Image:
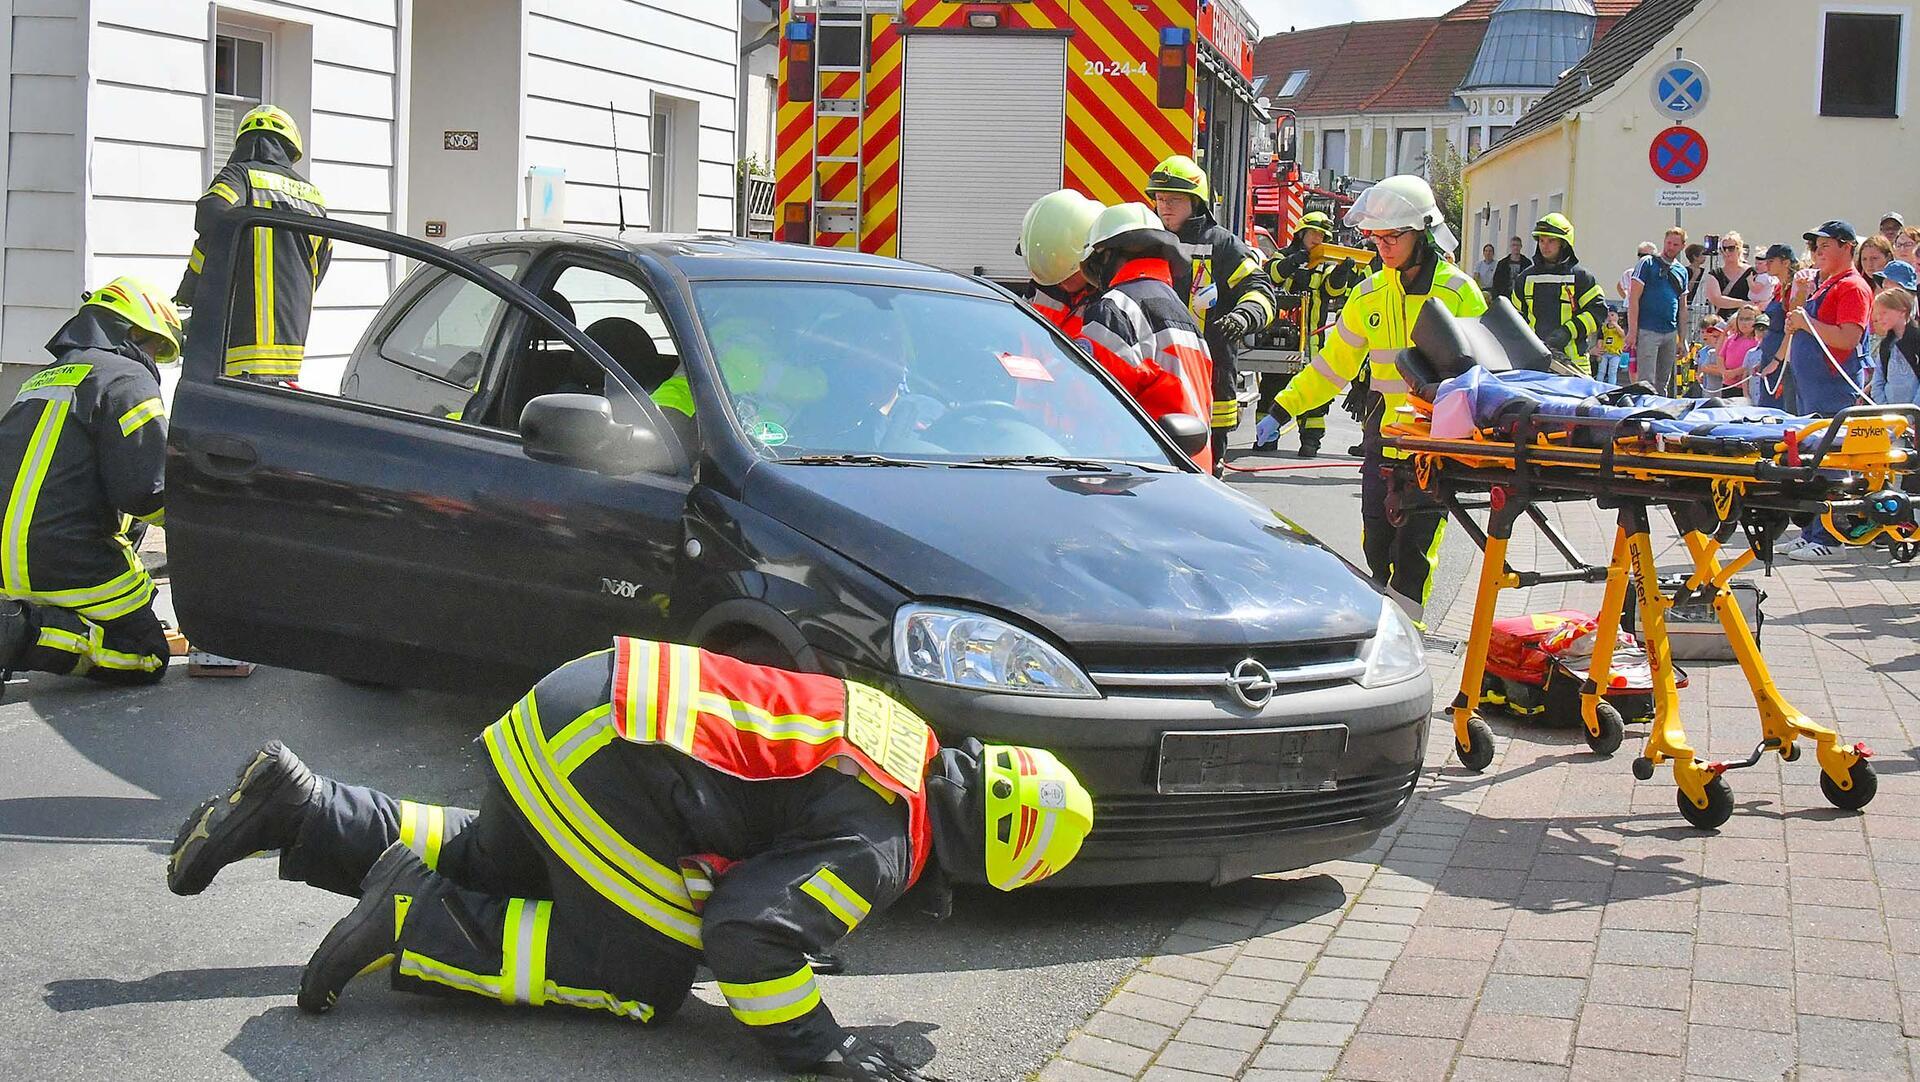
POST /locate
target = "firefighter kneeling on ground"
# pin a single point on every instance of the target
(84, 446)
(1563, 303)
(651, 807)
(1219, 274)
(1321, 287)
(1401, 218)
(1139, 328)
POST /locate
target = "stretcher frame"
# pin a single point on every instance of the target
(1711, 486)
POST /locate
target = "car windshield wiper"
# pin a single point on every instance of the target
(848, 460)
(1059, 461)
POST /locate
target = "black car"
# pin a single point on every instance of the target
(809, 458)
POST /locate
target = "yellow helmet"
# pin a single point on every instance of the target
(1181, 174)
(1038, 813)
(1053, 233)
(1554, 225)
(146, 308)
(276, 120)
(1117, 221)
(1314, 219)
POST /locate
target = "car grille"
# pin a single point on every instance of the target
(1205, 670)
(1168, 820)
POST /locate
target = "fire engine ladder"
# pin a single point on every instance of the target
(841, 211)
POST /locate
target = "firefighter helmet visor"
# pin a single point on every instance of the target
(1556, 226)
(272, 118)
(1183, 175)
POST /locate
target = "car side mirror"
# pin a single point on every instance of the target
(579, 430)
(1189, 433)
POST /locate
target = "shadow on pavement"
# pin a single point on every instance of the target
(174, 986)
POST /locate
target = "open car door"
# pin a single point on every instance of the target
(396, 539)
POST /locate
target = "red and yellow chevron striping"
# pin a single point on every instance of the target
(880, 147)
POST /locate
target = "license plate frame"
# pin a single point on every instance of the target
(1290, 759)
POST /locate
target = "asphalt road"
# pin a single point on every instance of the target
(110, 976)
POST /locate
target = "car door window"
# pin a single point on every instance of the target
(430, 359)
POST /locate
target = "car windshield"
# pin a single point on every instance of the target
(816, 370)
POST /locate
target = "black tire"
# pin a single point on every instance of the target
(1792, 754)
(1718, 810)
(1905, 551)
(1613, 729)
(1477, 753)
(1865, 784)
(1643, 768)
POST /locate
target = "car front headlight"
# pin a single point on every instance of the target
(969, 650)
(1395, 652)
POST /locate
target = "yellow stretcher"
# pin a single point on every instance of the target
(1846, 470)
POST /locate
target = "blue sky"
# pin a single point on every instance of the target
(1277, 15)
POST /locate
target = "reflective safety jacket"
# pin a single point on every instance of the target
(1141, 333)
(278, 270)
(1062, 309)
(84, 443)
(1561, 297)
(1374, 326)
(1222, 273)
(748, 813)
(1321, 286)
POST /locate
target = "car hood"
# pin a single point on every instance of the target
(1133, 559)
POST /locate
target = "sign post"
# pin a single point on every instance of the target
(1680, 91)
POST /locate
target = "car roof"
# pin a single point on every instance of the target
(702, 257)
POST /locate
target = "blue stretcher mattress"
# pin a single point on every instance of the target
(1498, 401)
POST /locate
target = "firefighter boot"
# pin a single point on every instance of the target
(365, 940)
(16, 633)
(1309, 443)
(263, 811)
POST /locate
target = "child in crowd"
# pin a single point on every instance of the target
(1895, 348)
(1748, 325)
(1610, 349)
(1706, 357)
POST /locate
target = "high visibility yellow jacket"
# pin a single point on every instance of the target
(278, 269)
(1374, 326)
(84, 443)
(1221, 273)
(1561, 300)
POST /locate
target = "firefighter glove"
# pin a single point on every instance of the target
(1287, 266)
(1235, 325)
(1346, 274)
(868, 1061)
(1559, 339)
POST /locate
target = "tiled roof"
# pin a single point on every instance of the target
(1613, 56)
(1394, 65)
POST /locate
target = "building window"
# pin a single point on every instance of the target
(673, 192)
(1334, 153)
(1556, 203)
(242, 72)
(1476, 142)
(1306, 151)
(1860, 65)
(1513, 220)
(1497, 133)
(1293, 84)
(1412, 150)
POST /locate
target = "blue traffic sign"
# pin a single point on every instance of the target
(1680, 88)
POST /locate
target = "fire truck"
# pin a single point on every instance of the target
(923, 129)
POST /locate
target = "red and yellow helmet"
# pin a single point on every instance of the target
(143, 306)
(1038, 814)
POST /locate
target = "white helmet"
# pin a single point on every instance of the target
(1118, 220)
(1053, 232)
(1401, 202)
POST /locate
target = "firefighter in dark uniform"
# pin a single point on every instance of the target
(1321, 288)
(1560, 300)
(651, 807)
(1220, 275)
(278, 270)
(83, 451)
(1138, 326)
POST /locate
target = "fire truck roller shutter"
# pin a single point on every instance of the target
(983, 120)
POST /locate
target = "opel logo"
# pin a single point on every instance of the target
(1252, 684)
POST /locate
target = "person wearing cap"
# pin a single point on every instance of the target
(278, 268)
(1653, 312)
(1767, 362)
(1220, 274)
(1902, 274)
(1322, 287)
(1891, 223)
(85, 443)
(1558, 298)
(1402, 220)
(1823, 349)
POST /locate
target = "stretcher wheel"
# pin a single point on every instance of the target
(1865, 785)
(1613, 729)
(1905, 551)
(1719, 806)
(1792, 754)
(1477, 753)
(1643, 768)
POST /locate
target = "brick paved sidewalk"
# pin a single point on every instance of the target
(1556, 919)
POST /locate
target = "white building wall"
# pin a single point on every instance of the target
(148, 105)
(584, 55)
(45, 176)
